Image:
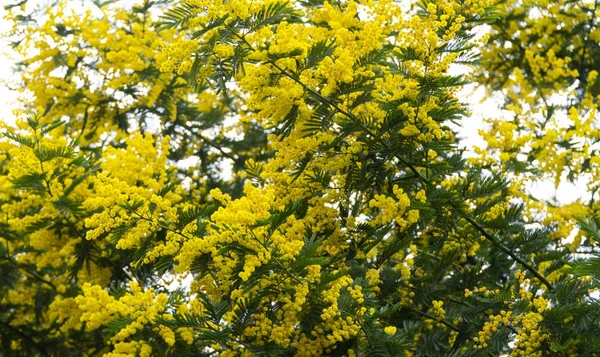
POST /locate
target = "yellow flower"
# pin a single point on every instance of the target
(390, 330)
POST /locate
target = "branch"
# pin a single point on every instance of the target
(455, 205)
(493, 239)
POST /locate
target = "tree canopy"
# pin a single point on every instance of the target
(284, 178)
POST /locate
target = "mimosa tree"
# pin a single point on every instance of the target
(273, 178)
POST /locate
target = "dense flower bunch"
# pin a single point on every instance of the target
(350, 224)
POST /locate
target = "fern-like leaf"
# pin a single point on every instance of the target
(177, 16)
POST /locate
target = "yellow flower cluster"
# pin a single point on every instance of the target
(95, 308)
(437, 309)
(529, 337)
(234, 222)
(491, 326)
(105, 54)
(462, 244)
(133, 178)
(394, 208)
(527, 325)
(390, 330)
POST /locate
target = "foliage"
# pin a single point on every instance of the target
(349, 224)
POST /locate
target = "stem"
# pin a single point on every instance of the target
(493, 239)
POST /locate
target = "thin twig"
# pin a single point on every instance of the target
(462, 213)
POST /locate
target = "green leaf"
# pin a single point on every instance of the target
(253, 170)
(48, 128)
(45, 154)
(133, 205)
(589, 227)
(163, 264)
(34, 182)
(211, 25)
(167, 188)
(277, 56)
(114, 326)
(67, 206)
(301, 166)
(8, 7)
(318, 52)
(21, 139)
(589, 267)
(117, 233)
(187, 216)
(177, 16)
(272, 13)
